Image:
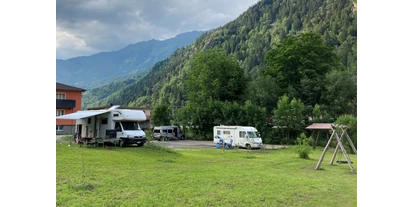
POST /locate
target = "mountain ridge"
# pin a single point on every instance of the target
(102, 68)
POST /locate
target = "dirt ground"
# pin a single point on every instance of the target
(186, 144)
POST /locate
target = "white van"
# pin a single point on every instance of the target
(241, 136)
(167, 133)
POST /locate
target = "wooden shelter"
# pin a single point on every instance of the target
(336, 129)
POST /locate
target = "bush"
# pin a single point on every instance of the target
(303, 148)
(351, 122)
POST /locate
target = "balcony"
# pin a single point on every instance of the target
(63, 103)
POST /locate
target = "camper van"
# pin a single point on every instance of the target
(113, 126)
(240, 136)
(167, 133)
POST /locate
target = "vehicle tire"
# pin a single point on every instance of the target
(122, 143)
(141, 144)
(165, 139)
(182, 137)
(248, 146)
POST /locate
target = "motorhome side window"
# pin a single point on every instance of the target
(242, 134)
(104, 121)
(118, 127)
(218, 132)
(226, 132)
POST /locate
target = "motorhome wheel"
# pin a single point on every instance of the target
(121, 143)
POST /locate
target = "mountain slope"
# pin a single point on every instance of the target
(99, 69)
(248, 38)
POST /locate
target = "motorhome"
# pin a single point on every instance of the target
(167, 133)
(240, 136)
(113, 126)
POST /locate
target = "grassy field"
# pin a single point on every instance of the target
(156, 176)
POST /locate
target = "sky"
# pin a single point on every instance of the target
(86, 27)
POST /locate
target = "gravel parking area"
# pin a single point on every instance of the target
(187, 144)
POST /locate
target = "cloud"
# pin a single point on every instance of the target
(86, 27)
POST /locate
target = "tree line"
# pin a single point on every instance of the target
(303, 82)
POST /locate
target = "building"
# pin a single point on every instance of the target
(68, 100)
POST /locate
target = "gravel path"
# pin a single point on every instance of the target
(186, 144)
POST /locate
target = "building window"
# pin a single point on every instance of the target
(60, 112)
(60, 96)
(59, 128)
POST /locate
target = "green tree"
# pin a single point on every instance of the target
(264, 92)
(161, 115)
(341, 93)
(351, 122)
(289, 116)
(300, 64)
(215, 75)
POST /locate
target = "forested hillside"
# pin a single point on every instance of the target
(105, 67)
(281, 63)
(249, 38)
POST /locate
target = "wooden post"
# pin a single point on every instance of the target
(324, 150)
(352, 144)
(345, 154)
(336, 149)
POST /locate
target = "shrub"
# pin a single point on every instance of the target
(303, 148)
(351, 122)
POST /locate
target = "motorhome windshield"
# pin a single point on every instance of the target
(253, 134)
(130, 125)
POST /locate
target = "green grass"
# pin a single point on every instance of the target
(156, 176)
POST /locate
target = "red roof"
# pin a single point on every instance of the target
(320, 126)
(60, 86)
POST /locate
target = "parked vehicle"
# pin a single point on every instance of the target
(241, 136)
(113, 126)
(167, 133)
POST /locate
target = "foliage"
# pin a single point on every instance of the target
(303, 147)
(263, 91)
(160, 115)
(300, 64)
(289, 115)
(94, 97)
(248, 38)
(215, 75)
(305, 50)
(341, 93)
(351, 122)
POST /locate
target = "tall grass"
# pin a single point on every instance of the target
(157, 176)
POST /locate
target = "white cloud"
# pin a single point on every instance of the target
(85, 27)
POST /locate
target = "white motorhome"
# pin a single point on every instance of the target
(241, 136)
(113, 125)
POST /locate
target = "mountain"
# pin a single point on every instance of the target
(101, 68)
(248, 38)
